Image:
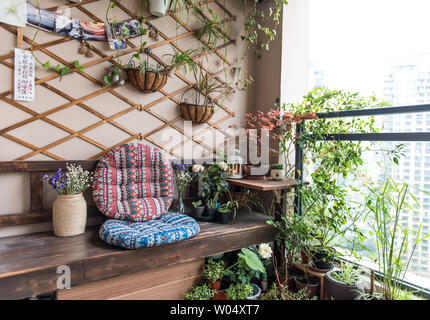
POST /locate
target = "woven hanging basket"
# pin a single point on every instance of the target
(196, 113)
(147, 81)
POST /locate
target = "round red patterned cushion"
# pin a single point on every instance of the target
(133, 182)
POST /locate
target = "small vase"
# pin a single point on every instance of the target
(69, 215)
(181, 205)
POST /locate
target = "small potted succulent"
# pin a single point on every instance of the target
(202, 292)
(69, 211)
(213, 272)
(197, 209)
(226, 210)
(343, 284)
(277, 172)
(211, 207)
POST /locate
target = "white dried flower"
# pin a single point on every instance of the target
(198, 168)
(223, 165)
(265, 251)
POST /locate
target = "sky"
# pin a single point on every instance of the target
(355, 40)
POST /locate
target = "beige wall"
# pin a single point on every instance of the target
(14, 188)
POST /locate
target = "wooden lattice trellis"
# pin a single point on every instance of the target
(101, 57)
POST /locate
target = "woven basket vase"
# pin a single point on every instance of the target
(69, 215)
(196, 113)
(147, 81)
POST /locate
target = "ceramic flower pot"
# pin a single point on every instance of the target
(277, 174)
(197, 211)
(158, 7)
(338, 290)
(69, 215)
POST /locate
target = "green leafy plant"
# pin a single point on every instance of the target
(239, 291)
(202, 292)
(214, 181)
(256, 23)
(197, 204)
(347, 273)
(283, 293)
(211, 203)
(395, 243)
(278, 166)
(214, 270)
(183, 60)
(247, 266)
(229, 206)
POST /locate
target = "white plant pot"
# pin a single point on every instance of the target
(69, 215)
(158, 7)
(277, 174)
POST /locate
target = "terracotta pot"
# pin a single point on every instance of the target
(220, 295)
(69, 215)
(196, 113)
(311, 286)
(147, 81)
(215, 285)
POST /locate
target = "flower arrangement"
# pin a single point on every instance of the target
(183, 179)
(74, 180)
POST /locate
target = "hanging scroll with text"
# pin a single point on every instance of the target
(24, 76)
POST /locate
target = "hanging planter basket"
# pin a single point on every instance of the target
(147, 81)
(195, 112)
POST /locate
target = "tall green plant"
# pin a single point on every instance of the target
(395, 243)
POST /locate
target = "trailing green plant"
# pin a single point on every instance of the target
(257, 23)
(207, 85)
(183, 60)
(386, 206)
(283, 293)
(202, 292)
(239, 291)
(214, 270)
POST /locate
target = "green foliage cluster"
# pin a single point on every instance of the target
(283, 293)
(239, 291)
(214, 182)
(214, 270)
(202, 292)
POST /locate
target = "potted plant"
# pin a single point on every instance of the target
(343, 284)
(145, 77)
(308, 282)
(198, 208)
(202, 292)
(284, 293)
(239, 291)
(213, 272)
(211, 207)
(69, 211)
(227, 210)
(277, 172)
(201, 109)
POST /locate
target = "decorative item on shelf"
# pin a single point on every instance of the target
(69, 212)
(158, 7)
(235, 165)
(144, 77)
(277, 172)
(183, 179)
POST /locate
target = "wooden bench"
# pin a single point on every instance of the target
(28, 263)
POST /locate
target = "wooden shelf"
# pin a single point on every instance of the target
(28, 264)
(264, 185)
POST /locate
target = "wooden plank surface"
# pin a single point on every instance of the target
(264, 185)
(28, 264)
(165, 283)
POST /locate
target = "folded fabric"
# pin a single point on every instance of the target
(170, 228)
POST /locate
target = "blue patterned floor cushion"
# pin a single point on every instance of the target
(171, 227)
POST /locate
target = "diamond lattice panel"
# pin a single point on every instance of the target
(76, 117)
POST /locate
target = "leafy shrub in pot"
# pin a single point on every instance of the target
(213, 272)
(197, 209)
(310, 283)
(343, 284)
(202, 292)
(239, 291)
